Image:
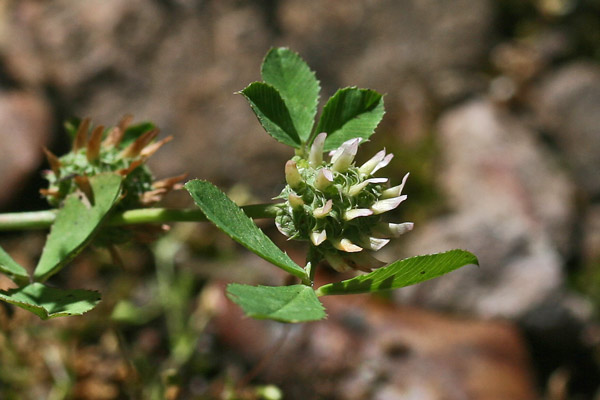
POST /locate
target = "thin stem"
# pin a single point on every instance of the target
(27, 220)
(313, 258)
(43, 219)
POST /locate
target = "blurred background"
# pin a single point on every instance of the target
(493, 106)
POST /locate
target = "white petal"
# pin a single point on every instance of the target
(370, 165)
(386, 205)
(292, 175)
(324, 179)
(315, 157)
(336, 152)
(357, 212)
(346, 245)
(383, 163)
(344, 155)
(396, 190)
(322, 212)
(356, 189)
(318, 237)
(373, 243)
(393, 230)
(295, 200)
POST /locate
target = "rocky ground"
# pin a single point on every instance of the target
(493, 106)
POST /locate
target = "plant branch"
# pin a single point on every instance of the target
(44, 219)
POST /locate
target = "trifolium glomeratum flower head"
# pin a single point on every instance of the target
(122, 149)
(338, 206)
(96, 150)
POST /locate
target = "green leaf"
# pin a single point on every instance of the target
(47, 302)
(76, 222)
(296, 303)
(290, 75)
(272, 112)
(350, 113)
(402, 273)
(228, 217)
(12, 269)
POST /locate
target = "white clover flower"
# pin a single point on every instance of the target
(292, 175)
(317, 237)
(323, 211)
(349, 215)
(344, 155)
(395, 191)
(337, 207)
(295, 201)
(324, 179)
(386, 205)
(346, 245)
(315, 157)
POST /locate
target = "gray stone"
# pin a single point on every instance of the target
(511, 205)
(567, 103)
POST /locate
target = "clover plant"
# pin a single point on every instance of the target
(103, 191)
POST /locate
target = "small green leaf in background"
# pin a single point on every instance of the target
(228, 217)
(71, 126)
(12, 269)
(350, 113)
(75, 224)
(297, 303)
(290, 75)
(47, 302)
(402, 273)
(272, 113)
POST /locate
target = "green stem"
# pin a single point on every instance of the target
(43, 219)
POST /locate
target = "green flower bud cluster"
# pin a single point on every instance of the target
(99, 150)
(337, 206)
